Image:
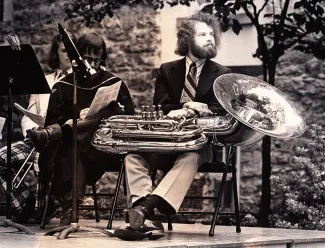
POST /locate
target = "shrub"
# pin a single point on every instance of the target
(304, 189)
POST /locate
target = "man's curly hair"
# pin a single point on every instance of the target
(185, 34)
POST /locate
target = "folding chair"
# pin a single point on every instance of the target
(95, 195)
(216, 167)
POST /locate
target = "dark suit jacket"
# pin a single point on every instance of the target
(170, 83)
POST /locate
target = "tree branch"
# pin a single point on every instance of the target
(251, 2)
(278, 30)
(262, 8)
(261, 39)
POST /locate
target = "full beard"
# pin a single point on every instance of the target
(207, 52)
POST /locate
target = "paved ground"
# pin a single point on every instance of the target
(183, 235)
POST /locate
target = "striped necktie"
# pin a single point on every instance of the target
(191, 82)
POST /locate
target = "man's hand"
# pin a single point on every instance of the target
(177, 114)
(200, 108)
(83, 114)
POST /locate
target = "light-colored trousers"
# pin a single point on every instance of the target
(176, 182)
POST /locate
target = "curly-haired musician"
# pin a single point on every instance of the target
(22, 199)
(183, 88)
(58, 133)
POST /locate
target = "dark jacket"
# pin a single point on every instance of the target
(61, 100)
(170, 83)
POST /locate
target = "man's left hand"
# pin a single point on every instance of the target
(177, 114)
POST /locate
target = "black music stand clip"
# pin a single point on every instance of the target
(21, 74)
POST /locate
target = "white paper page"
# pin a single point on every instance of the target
(38, 119)
(2, 123)
(103, 97)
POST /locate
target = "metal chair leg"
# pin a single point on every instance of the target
(95, 202)
(221, 189)
(153, 177)
(47, 199)
(234, 185)
(170, 225)
(117, 188)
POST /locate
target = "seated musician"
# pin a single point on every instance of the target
(22, 199)
(183, 88)
(58, 133)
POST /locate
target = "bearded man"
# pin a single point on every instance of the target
(183, 88)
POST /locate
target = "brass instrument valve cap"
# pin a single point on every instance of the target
(154, 115)
(160, 113)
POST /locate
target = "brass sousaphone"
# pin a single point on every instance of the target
(255, 109)
(260, 108)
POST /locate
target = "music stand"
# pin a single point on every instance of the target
(19, 66)
(81, 68)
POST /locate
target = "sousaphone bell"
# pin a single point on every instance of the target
(260, 108)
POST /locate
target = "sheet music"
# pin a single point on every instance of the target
(103, 97)
(2, 123)
(38, 119)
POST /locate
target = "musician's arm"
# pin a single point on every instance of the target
(124, 99)
(27, 123)
(58, 111)
(162, 96)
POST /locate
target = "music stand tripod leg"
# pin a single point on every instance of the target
(7, 222)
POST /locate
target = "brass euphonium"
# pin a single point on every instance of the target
(255, 109)
(148, 132)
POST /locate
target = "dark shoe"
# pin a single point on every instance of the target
(135, 216)
(42, 136)
(155, 227)
(151, 230)
(128, 234)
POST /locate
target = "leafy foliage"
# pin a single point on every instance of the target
(304, 189)
(92, 11)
